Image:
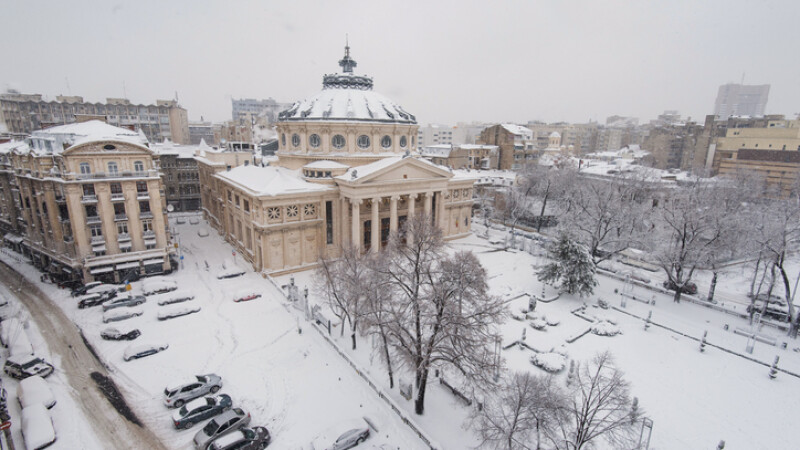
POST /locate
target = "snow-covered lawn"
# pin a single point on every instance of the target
(297, 385)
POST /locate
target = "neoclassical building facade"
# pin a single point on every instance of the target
(346, 174)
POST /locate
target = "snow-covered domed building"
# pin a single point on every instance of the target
(347, 173)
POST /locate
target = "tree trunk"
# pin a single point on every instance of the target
(755, 276)
(419, 403)
(541, 213)
(388, 359)
(712, 287)
(677, 297)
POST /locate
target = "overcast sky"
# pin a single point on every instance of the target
(444, 61)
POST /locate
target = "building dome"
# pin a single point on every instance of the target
(347, 97)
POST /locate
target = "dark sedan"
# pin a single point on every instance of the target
(113, 334)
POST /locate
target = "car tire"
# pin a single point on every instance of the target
(214, 389)
(188, 425)
(359, 440)
(179, 403)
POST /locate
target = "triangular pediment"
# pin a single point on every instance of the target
(397, 169)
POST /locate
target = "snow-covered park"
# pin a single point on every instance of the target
(291, 378)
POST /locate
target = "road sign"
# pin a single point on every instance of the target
(234, 253)
(5, 425)
(181, 257)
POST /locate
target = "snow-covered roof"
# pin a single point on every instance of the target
(325, 164)
(348, 104)
(270, 180)
(169, 148)
(476, 147)
(74, 134)
(518, 130)
(14, 146)
(442, 150)
(555, 134)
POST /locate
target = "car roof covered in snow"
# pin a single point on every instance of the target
(179, 383)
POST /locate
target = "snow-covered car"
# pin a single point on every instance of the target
(115, 315)
(358, 431)
(9, 329)
(81, 290)
(140, 351)
(151, 287)
(225, 423)
(169, 298)
(194, 221)
(230, 270)
(176, 394)
(255, 438)
(245, 295)
(24, 366)
(200, 409)
(177, 312)
(113, 334)
(125, 300)
(34, 390)
(103, 289)
(37, 427)
(688, 288)
(89, 300)
(202, 232)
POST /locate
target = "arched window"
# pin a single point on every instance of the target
(338, 141)
(283, 139)
(85, 169)
(138, 166)
(314, 140)
(403, 142)
(295, 140)
(112, 168)
(363, 141)
(386, 142)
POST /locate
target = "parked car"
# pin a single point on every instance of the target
(81, 290)
(688, 288)
(245, 295)
(230, 272)
(159, 286)
(37, 427)
(221, 425)
(351, 438)
(255, 438)
(115, 315)
(10, 328)
(200, 409)
(89, 300)
(103, 289)
(24, 366)
(177, 312)
(125, 300)
(169, 298)
(34, 390)
(178, 393)
(113, 334)
(140, 351)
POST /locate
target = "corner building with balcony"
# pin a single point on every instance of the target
(347, 174)
(88, 199)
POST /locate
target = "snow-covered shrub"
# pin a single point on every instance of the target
(549, 362)
(605, 329)
(551, 321)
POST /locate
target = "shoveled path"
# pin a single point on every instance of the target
(77, 363)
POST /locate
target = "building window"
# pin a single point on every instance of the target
(314, 140)
(88, 190)
(141, 186)
(85, 169)
(113, 169)
(338, 141)
(296, 140)
(329, 222)
(122, 228)
(246, 205)
(283, 140)
(147, 225)
(109, 147)
(291, 211)
(367, 233)
(138, 166)
(144, 206)
(309, 210)
(386, 142)
(116, 188)
(363, 141)
(274, 213)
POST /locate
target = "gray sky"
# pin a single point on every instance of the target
(444, 61)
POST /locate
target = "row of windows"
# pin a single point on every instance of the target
(113, 167)
(338, 141)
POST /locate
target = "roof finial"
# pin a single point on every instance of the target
(347, 63)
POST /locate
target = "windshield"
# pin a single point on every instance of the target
(210, 428)
(31, 363)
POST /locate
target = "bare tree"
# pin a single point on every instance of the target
(375, 316)
(343, 282)
(544, 184)
(439, 313)
(520, 413)
(599, 407)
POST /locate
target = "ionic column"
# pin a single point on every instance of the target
(428, 201)
(393, 214)
(412, 205)
(344, 236)
(376, 229)
(356, 228)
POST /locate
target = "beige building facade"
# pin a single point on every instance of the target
(90, 203)
(346, 174)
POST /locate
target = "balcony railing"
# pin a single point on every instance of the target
(149, 234)
(93, 219)
(143, 195)
(97, 240)
(117, 196)
(89, 199)
(122, 237)
(119, 217)
(146, 215)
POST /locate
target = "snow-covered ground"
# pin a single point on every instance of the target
(297, 385)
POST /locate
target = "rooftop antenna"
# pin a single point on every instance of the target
(347, 63)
